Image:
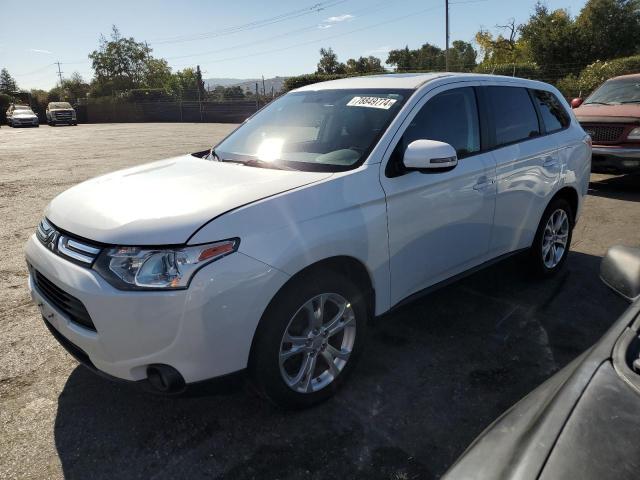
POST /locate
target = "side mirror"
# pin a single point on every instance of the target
(620, 271)
(429, 155)
(576, 102)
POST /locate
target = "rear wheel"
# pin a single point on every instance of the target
(553, 238)
(309, 340)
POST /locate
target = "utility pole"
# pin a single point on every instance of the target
(59, 72)
(446, 51)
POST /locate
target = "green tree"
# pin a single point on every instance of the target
(73, 88)
(462, 57)
(402, 59)
(552, 39)
(199, 81)
(608, 29)
(364, 65)
(502, 49)
(183, 84)
(122, 63)
(329, 63)
(8, 84)
(427, 57)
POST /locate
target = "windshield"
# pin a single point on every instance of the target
(59, 105)
(21, 107)
(328, 130)
(615, 92)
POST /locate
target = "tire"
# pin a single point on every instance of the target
(548, 254)
(287, 314)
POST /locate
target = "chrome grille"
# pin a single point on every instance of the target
(604, 133)
(65, 245)
(64, 115)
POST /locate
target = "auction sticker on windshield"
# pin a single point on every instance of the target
(372, 102)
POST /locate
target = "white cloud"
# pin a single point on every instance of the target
(340, 18)
(331, 21)
(38, 50)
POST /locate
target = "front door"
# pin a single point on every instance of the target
(439, 223)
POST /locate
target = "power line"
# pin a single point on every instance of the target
(316, 7)
(365, 11)
(320, 40)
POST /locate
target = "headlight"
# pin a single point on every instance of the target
(634, 134)
(143, 268)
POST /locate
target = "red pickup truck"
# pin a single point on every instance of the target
(611, 116)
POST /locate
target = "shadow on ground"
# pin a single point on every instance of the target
(623, 187)
(436, 373)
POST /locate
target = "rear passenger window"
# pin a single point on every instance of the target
(554, 116)
(514, 115)
(450, 117)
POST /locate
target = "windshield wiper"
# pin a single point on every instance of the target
(255, 162)
(631, 101)
(596, 103)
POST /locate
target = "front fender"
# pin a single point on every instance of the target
(344, 215)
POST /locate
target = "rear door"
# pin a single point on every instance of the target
(527, 166)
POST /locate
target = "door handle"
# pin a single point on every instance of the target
(484, 183)
(550, 162)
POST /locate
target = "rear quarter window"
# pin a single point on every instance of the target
(554, 116)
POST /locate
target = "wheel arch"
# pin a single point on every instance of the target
(345, 265)
(570, 194)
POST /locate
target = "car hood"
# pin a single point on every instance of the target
(24, 114)
(626, 111)
(165, 202)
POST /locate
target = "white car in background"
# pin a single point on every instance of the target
(21, 116)
(61, 112)
(335, 203)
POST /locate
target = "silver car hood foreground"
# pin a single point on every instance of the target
(165, 202)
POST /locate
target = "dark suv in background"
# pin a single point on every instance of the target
(61, 112)
(611, 116)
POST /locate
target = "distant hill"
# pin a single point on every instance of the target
(247, 84)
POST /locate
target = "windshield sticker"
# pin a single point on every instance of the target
(372, 102)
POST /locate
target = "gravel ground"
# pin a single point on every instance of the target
(436, 373)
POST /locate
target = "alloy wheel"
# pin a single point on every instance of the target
(317, 343)
(554, 240)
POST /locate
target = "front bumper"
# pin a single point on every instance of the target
(203, 332)
(24, 121)
(619, 159)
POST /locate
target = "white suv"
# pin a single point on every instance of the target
(333, 204)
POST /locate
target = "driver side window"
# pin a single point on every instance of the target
(450, 117)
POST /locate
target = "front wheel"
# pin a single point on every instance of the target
(309, 339)
(553, 238)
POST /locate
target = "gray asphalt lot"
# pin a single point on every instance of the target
(436, 372)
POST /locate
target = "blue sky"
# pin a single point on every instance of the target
(275, 38)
